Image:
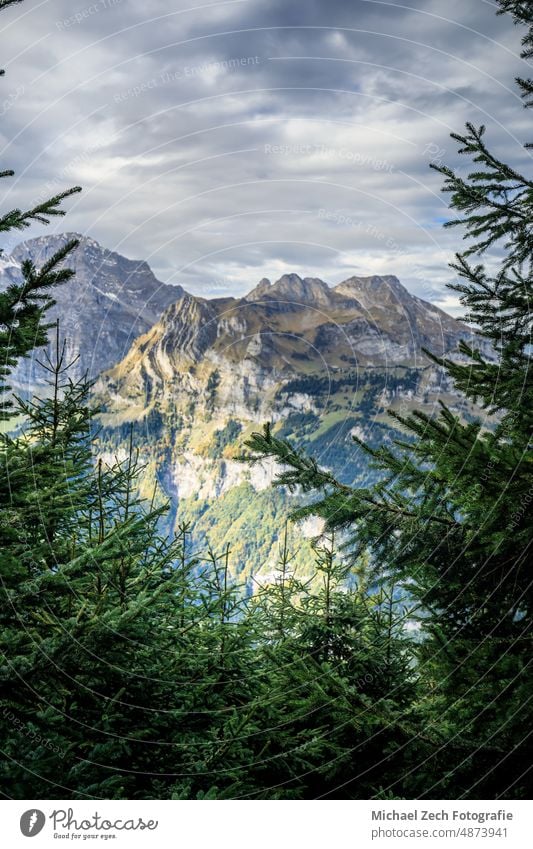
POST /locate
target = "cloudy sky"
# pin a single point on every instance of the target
(229, 141)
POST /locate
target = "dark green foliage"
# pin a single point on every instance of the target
(132, 667)
(19, 220)
(494, 200)
(224, 437)
(521, 13)
(317, 718)
(5, 3)
(122, 662)
(407, 378)
(450, 518)
(295, 423)
(143, 672)
(22, 306)
(212, 385)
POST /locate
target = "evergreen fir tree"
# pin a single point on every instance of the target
(335, 695)
(132, 666)
(23, 306)
(449, 518)
(124, 654)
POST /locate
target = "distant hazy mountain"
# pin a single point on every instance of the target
(109, 302)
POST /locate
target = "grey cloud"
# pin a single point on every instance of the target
(170, 119)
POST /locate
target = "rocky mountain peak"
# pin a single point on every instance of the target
(291, 288)
(109, 302)
(262, 289)
(105, 270)
(41, 248)
(374, 290)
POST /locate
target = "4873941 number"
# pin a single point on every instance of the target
(481, 831)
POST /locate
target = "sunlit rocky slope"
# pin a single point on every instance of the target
(194, 376)
(320, 363)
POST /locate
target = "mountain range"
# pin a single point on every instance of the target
(193, 376)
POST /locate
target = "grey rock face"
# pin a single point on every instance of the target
(109, 303)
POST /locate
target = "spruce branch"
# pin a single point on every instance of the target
(22, 307)
(496, 201)
(522, 14)
(41, 213)
(304, 472)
